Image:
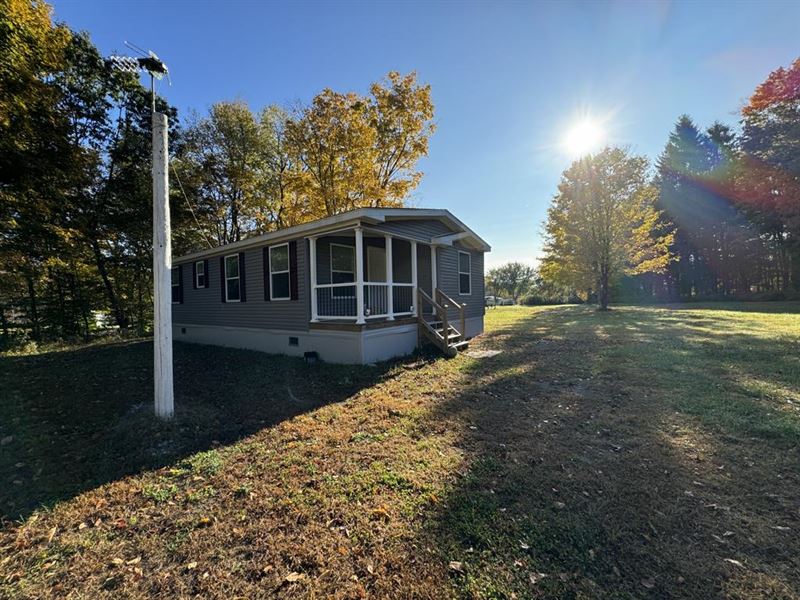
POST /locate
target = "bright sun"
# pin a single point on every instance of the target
(584, 137)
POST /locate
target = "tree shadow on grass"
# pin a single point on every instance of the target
(74, 420)
(624, 455)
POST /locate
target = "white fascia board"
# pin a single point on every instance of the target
(468, 237)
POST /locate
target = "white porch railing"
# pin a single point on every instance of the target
(361, 300)
(338, 300)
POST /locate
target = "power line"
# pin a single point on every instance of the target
(191, 210)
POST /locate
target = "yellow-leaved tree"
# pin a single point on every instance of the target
(253, 173)
(603, 223)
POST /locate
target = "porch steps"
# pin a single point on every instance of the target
(435, 330)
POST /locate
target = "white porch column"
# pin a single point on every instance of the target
(434, 282)
(360, 276)
(312, 249)
(389, 279)
(414, 275)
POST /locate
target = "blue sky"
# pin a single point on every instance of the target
(508, 78)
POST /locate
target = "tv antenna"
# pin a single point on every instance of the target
(147, 61)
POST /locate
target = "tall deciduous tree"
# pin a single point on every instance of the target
(223, 160)
(603, 223)
(354, 151)
(769, 184)
(335, 145)
(402, 112)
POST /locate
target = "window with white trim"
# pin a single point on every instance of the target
(200, 274)
(343, 269)
(232, 289)
(279, 288)
(176, 285)
(464, 273)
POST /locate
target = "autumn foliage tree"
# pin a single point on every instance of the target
(768, 178)
(603, 223)
(251, 173)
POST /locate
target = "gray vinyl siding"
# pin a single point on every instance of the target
(205, 307)
(447, 267)
(422, 229)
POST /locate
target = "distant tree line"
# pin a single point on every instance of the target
(75, 186)
(720, 218)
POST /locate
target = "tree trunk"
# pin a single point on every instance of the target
(119, 314)
(36, 333)
(4, 323)
(602, 292)
(83, 308)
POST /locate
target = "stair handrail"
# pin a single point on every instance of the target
(458, 306)
(441, 312)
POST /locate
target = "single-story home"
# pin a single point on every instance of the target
(357, 287)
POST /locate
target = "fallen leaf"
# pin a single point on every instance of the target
(381, 512)
(456, 566)
(733, 562)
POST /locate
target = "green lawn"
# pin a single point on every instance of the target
(648, 452)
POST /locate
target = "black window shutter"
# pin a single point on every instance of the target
(267, 278)
(293, 270)
(194, 275)
(206, 275)
(242, 282)
(222, 276)
(180, 284)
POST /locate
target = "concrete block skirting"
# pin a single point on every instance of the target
(347, 347)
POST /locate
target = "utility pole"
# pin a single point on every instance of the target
(162, 245)
(162, 272)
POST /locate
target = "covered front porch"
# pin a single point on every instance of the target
(362, 276)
